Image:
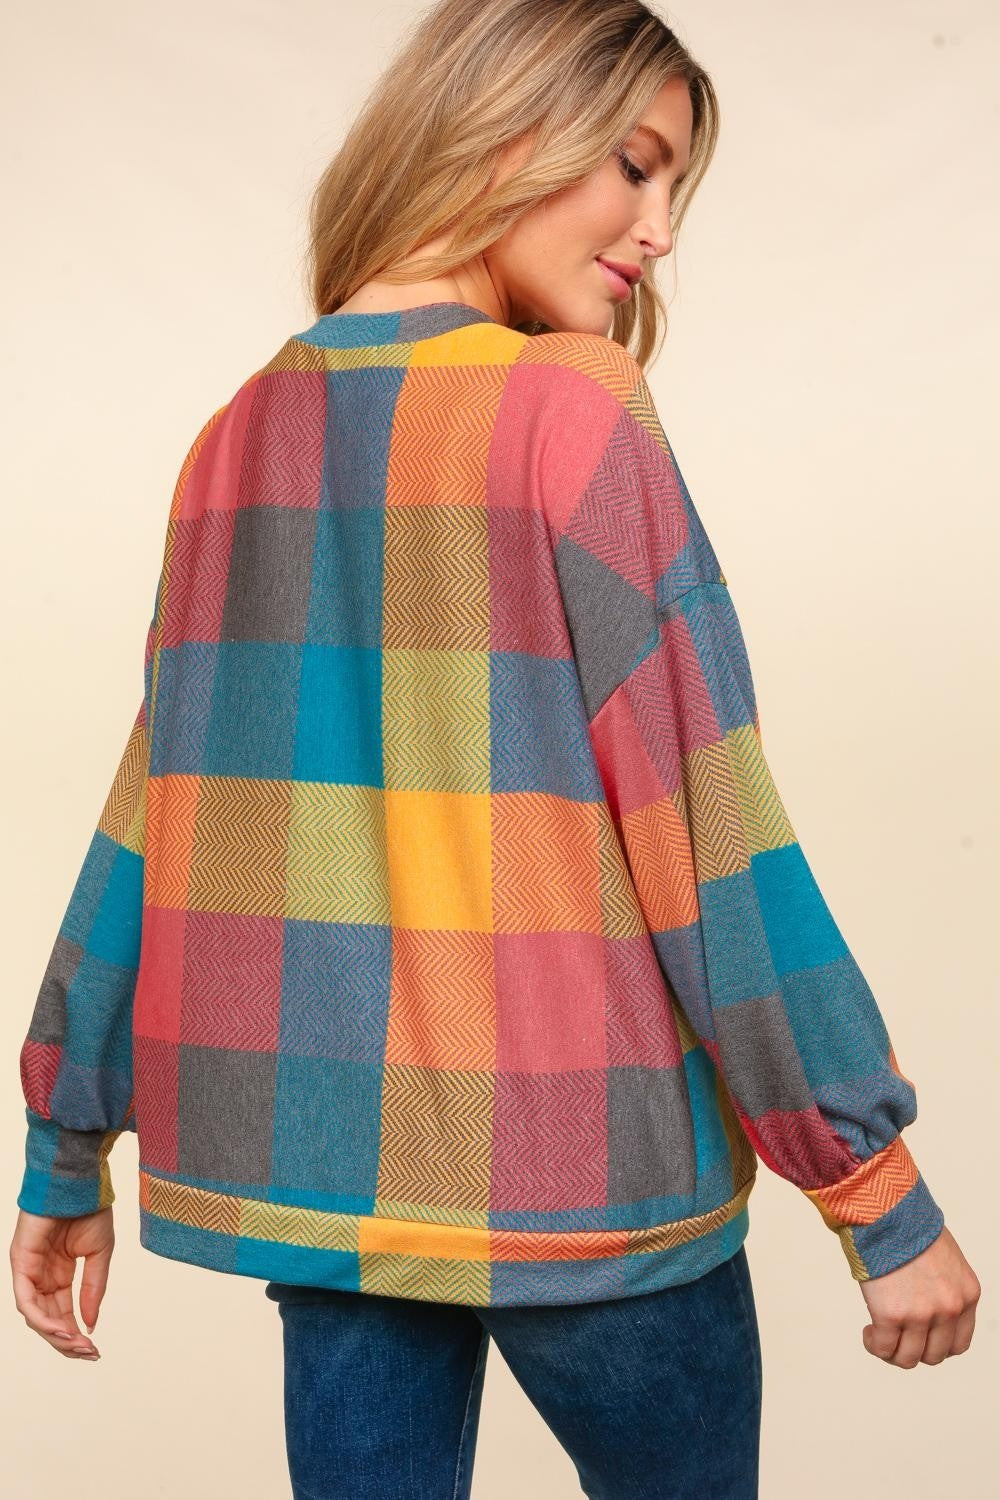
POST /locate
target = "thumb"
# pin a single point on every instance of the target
(881, 1338)
(93, 1285)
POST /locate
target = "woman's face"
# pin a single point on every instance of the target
(548, 266)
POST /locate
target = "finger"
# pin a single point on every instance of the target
(28, 1301)
(62, 1307)
(965, 1325)
(910, 1349)
(57, 1329)
(93, 1285)
(940, 1341)
(882, 1338)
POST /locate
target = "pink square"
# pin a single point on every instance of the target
(156, 1006)
(641, 1027)
(627, 773)
(282, 458)
(232, 981)
(550, 1141)
(213, 483)
(156, 1067)
(198, 577)
(526, 611)
(549, 1001)
(552, 427)
(676, 661)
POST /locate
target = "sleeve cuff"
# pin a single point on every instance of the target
(66, 1172)
(883, 1214)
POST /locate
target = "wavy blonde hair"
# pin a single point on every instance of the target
(473, 77)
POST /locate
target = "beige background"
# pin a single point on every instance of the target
(830, 389)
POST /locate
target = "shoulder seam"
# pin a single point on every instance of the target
(662, 612)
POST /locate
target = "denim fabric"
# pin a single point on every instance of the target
(652, 1395)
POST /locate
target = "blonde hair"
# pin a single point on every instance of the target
(474, 77)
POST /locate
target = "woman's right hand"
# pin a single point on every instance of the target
(43, 1256)
(925, 1310)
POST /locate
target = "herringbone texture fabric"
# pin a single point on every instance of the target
(444, 934)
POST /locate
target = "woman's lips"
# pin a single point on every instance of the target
(621, 287)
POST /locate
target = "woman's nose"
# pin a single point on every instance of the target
(656, 235)
(657, 238)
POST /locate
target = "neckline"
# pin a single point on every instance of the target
(395, 312)
(402, 325)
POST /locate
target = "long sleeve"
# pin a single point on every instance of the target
(76, 1060)
(741, 930)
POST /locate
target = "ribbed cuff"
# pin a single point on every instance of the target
(883, 1212)
(66, 1172)
(898, 1236)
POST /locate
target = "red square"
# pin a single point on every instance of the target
(549, 1001)
(550, 1141)
(156, 1006)
(156, 1066)
(210, 477)
(281, 458)
(627, 773)
(232, 981)
(641, 1027)
(198, 577)
(552, 428)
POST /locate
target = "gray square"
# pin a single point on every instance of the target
(225, 1114)
(270, 572)
(48, 1022)
(651, 1149)
(759, 1057)
(609, 621)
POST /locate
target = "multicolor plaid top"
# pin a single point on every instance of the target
(443, 934)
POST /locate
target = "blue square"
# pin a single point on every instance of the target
(339, 732)
(254, 698)
(327, 1125)
(345, 603)
(360, 408)
(177, 736)
(336, 980)
(115, 934)
(800, 929)
(538, 728)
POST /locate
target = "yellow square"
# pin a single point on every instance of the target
(489, 345)
(436, 720)
(440, 860)
(336, 865)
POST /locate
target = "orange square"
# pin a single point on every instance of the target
(547, 867)
(171, 804)
(442, 1004)
(442, 428)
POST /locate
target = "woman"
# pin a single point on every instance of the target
(444, 936)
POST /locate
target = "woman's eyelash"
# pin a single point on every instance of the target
(631, 171)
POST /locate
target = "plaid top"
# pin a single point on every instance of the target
(443, 934)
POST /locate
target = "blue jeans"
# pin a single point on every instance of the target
(651, 1395)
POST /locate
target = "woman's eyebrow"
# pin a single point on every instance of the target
(666, 150)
